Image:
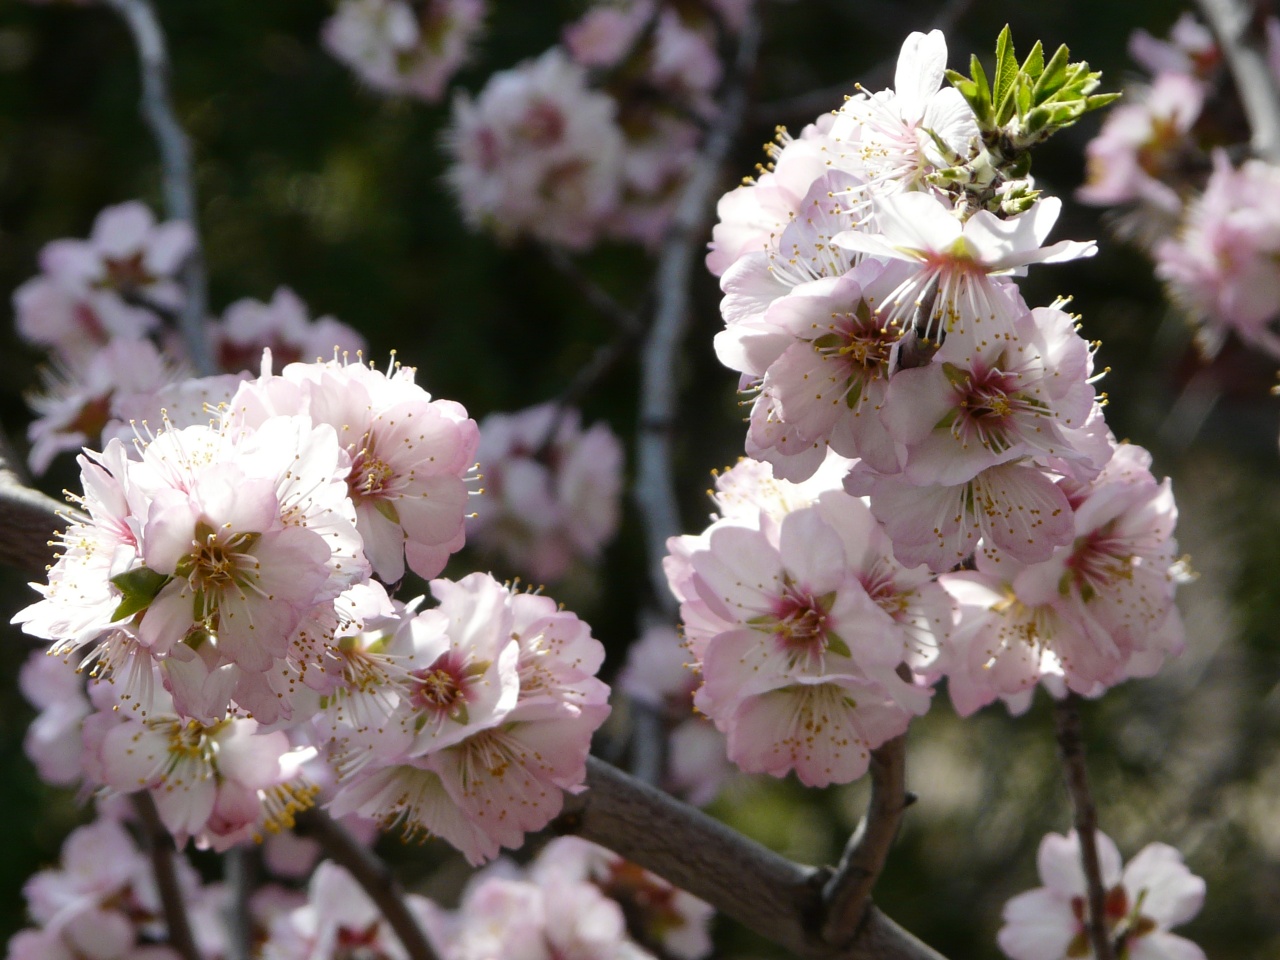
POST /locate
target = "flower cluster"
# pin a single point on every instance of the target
(593, 139)
(219, 577)
(1154, 892)
(917, 417)
(401, 47)
(98, 306)
(1212, 226)
(551, 490)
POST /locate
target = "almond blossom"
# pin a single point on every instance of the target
(1153, 893)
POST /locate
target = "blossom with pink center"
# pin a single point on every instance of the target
(282, 326)
(398, 49)
(822, 357)
(73, 322)
(537, 154)
(499, 709)
(1153, 893)
(890, 134)
(1221, 267)
(251, 531)
(99, 863)
(1016, 506)
(1011, 398)
(551, 490)
(79, 396)
(409, 455)
(223, 783)
(965, 259)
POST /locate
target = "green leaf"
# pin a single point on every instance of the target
(1033, 66)
(1006, 74)
(139, 587)
(1054, 75)
(836, 644)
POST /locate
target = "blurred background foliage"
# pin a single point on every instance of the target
(307, 180)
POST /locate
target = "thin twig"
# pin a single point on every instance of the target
(1066, 718)
(810, 104)
(655, 487)
(762, 890)
(175, 161)
(159, 845)
(1238, 26)
(848, 892)
(374, 876)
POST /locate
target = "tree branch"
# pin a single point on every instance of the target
(1066, 718)
(1238, 26)
(655, 488)
(847, 893)
(28, 518)
(374, 877)
(159, 844)
(765, 892)
(175, 160)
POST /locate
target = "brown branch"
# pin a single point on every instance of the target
(374, 876)
(1238, 26)
(159, 845)
(28, 518)
(655, 487)
(1066, 718)
(847, 893)
(765, 892)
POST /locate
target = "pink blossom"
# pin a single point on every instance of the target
(1221, 268)
(1190, 50)
(551, 490)
(128, 257)
(80, 396)
(408, 455)
(537, 154)
(890, 134)
(966, 260)
(282, 326)
(399, 50)
(1143, 143)
(1153, 893)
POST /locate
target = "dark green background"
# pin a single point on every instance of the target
(304, 179)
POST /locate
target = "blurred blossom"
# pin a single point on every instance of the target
(283, 326)
(398, 47)
(1222, 268)
(91, 291)
(537, 153)
(1153, 893)
(552, 490)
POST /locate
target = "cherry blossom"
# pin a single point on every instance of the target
(282, 326)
